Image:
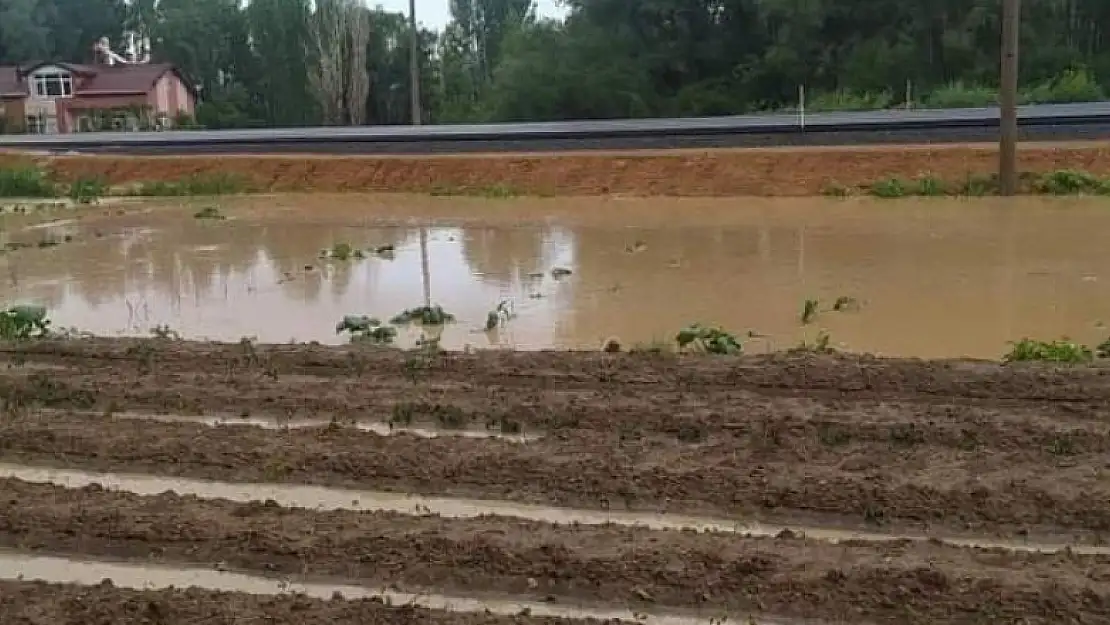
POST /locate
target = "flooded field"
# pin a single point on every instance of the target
(932, 278)
(294, 484)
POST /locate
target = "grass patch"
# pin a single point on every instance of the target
(87, 190)
(494, 191)
(26, 181)
(889, 188)
(342, 251)
(196, 184)
(362, 328)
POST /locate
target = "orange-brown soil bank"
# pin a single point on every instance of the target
(760, 172)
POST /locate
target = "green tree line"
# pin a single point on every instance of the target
(296, 62)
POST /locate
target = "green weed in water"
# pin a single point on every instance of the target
(24, 322)
(342, 251)
(209, 212)
(369, 329)
(1062, 351)
(424, 315)
(709, 340)
(809, 311)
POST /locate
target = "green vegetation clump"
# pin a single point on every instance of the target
(424, 315)
(709, 340)
(24, 322)
(26, 181)
(342, 251)
(364, 328)
(1059, 182)
(1061, 351)
(87, 190)
(196, 184)
(209, 212)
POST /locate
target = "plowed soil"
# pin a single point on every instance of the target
(789, 576)
(760, 172)
(36, 603)
(870, 442)
(961, 448)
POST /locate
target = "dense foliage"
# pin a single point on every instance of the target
(610, 58)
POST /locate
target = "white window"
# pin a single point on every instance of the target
(53, 85)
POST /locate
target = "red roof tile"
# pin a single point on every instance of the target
(105, 79)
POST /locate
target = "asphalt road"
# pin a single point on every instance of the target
(1037, 123)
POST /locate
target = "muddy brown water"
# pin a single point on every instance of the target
(933, 278)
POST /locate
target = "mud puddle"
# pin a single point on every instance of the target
(16, 566)
(272, 423)
(990, 265)
(321, 498)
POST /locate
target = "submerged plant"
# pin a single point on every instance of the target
(809, 310)
(209, 212)
(709, 340)
(342, 251)
(424, 315)
(499, 316)
(24, 322)
(1062, 351)
(363, 328)
(845, 303)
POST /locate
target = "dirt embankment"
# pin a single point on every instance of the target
(911, 582)
(38, 603)
(757, 172)
(879, 442)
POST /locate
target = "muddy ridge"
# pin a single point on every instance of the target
(720, 172)
(898, 482)
(39, 603)
(789, 576)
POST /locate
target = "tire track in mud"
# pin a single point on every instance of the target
(1002, 492)
(544, 563)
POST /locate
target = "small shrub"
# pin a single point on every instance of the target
(889, 188)
(1072, 85)
(342, 251)
(930, 185)
(1062, 351)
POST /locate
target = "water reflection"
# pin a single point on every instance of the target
(935, 278)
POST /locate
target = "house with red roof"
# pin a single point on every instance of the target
(50, 98)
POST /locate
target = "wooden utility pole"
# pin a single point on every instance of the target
(1007, 98)
(414, 64)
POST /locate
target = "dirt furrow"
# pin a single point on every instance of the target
(688, 416)
(39, 603)
(787, 373)
(792, 577)
(870, 483)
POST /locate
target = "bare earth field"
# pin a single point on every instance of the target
(714, 172)
(523, 487)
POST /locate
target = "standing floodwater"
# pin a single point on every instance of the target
(931, 278)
